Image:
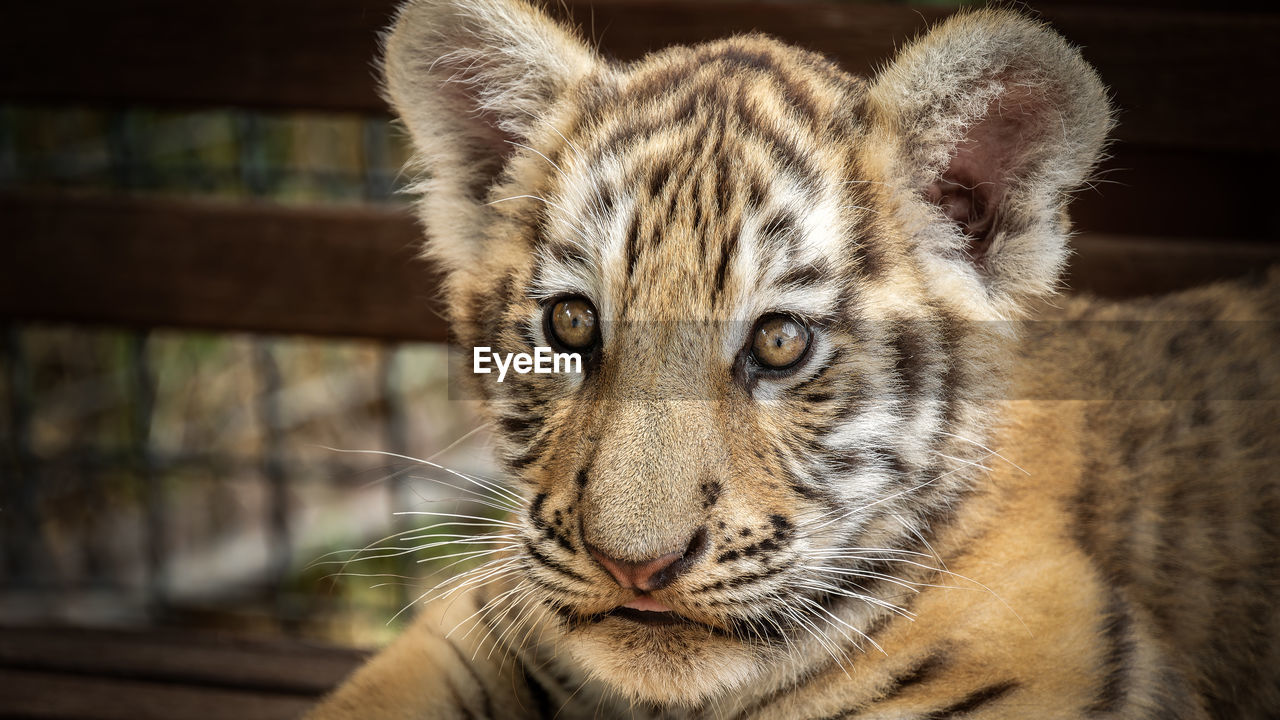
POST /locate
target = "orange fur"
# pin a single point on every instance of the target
(962, 501)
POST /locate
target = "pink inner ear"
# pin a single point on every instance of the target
(973, 187)
(489, 145)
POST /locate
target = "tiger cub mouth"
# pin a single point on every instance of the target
(647, 610)
(650, 617)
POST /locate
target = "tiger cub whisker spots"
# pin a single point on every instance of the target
(819, 463)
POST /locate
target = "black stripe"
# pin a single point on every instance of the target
(633, 244)
(535, 511)
(724, 184)
(804, 276)
(456, 699)
(870, 254)
(564, 543)
(808, 492)
(893, 461)
(583, 476)
(521, 329)
(727, 250)
(660, 82)
(517, 425)
(659, 178)
(556, 587)
(673, 203)
(953, 377)
(882, 621)
(538, 230)
(757, 59)
(1171, 699)
(486, 700)
(755, 191)
(793, 92)
(541, 698)
(1117, 630)
(754, 709)
(972, 701)
(534, 553)
(912, 355)
(922, 670)
(821, 375)
(689, 107)
(605, 199)
(781, 226)
(785, 149)
(565, 253)
(694, 96)
(533, 452)
(1170, 557)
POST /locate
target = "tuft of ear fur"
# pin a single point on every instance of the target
(469, 79)
(992, 118)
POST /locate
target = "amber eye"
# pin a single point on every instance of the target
(572, 323)
(780, 341)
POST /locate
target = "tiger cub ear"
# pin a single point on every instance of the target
(470, 79)
(991, 119)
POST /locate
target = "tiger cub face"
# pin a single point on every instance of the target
(789, 287)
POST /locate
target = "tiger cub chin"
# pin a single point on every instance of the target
(830, 453)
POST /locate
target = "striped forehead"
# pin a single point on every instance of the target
(707, 182)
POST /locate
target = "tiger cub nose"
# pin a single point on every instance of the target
(656, 573)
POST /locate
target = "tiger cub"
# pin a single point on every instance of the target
(830, 454)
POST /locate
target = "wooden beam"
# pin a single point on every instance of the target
(268, 666)
(117, 675)
(52, 696)
(354, 271)
(1117, 266)
(275, 54)
(222, 266)
(1178, 192)
(1182, 78)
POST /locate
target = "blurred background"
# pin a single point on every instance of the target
(209, 290)
(188, 477)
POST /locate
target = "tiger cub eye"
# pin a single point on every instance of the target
(573, 322)
(780, 341)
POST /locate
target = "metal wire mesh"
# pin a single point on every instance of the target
(156, 476)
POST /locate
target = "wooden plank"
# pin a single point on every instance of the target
(1121, 266)
(49, 696)
(281, 667)
(1218, 6)
(312, 54)
(353, 271)
(222, 266)
(1184, 78)
(1188, 79)
(1178, 192)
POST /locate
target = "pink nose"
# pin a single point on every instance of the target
(649, 575)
